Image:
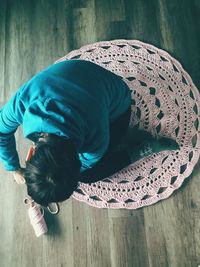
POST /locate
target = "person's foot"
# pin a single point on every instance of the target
(149, 146)
(164, 144)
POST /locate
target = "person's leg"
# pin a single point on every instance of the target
(118, 129)
(113, 160)
(138, 144)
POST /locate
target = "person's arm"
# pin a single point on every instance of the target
(9, 122)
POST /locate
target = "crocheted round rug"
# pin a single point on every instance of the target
(165, 102)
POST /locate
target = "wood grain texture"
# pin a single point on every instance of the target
(33, 34)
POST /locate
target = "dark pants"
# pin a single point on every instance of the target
(112, 161)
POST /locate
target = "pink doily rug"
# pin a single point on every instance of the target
(166, 103)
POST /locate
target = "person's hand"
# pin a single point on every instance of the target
(19, 176)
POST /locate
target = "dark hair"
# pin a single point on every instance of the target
(53, 171)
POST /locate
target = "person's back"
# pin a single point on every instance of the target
(76, 99)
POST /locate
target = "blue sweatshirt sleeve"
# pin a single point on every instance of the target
(88, 162)
(91, 158)
(8, 126)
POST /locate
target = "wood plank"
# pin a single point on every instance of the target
(2, 47)
(98, 245)
(128, 240)
(84, 30)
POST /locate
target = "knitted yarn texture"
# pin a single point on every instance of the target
(165, 102)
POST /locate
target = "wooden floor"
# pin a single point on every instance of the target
(33, 34)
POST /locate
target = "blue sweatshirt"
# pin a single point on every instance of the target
(74, 98)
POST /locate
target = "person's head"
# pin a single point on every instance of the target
(53, 171)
